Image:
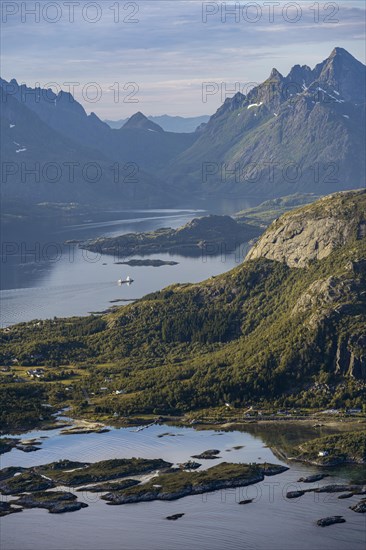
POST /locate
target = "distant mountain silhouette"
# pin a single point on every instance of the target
(304, 132)
(177, 124)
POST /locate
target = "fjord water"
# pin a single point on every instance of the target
(43, 277)
(212, 521)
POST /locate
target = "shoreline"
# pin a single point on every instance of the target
(90, 425)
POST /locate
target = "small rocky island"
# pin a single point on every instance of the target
(331, 520)
(147, 263)
(211, 235)
(208, 455)
(120, 481)
(56, 502)
(177, 484)
(25, 445)
(333, 488)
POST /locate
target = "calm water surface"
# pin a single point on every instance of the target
(51, 283)
(43, 277)
(212, 521)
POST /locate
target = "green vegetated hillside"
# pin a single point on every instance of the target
(207, 235)
(271, 330)
(267, 211)
(350, 447)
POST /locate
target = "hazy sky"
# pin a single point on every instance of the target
(168, 48)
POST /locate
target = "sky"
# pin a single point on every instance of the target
(168, 56)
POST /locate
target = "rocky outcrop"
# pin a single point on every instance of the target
(109, 486)
(179, 484)
(157, 494)
(313, 478)
(27, 481)
(210, 454)
(174, 517)
(360, 507)
(246, 501)
(313, 232)
(349, 361)
(56, 502)
(6, 509)
(190, 465)
(324, 522)
(334, 488)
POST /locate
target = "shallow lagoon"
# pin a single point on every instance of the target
(211, 521)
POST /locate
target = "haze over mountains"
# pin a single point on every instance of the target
(168, 123)
(304, 132)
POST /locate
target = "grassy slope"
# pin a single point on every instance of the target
(268, 211)
(350, 447)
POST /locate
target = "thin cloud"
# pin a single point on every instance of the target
(171, 51)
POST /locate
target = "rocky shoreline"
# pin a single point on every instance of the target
(210, 235)
(147, 263)
(173, 486)
(349, 490)
(56, 502)
(25, 445)
(34, 487)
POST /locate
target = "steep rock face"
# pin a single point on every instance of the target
(309, 234)
(342, 71)
(313, 232)
(303, 132)
(350, 357)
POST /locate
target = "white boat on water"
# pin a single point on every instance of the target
(127, 281)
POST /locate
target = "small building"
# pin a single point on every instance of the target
(323, 453)
(35, 373)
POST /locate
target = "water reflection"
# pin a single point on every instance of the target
(45, 274)
(213, 521)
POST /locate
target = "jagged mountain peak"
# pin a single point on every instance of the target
(344, 73)
(275, 75)
(139, 121)
(269, 92)
(300, 75)
(337, 51)
(300, 119)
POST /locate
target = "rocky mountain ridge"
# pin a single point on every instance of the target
(313, 232)
(303, 132)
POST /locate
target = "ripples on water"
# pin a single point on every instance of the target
(211, 522)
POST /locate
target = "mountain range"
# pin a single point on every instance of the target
(169, 123)
(300, 133)
(304, 132)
